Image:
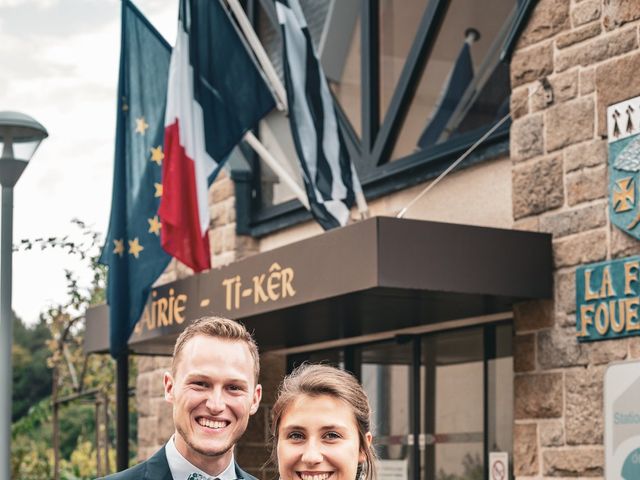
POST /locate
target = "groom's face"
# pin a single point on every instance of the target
(213, 391)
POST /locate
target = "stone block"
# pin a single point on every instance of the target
(565, 291)
(228, 238)
(587, 81)
(531, 64)
(603, 48)
(605, 352)
(524, 353)
(580, 462)
(578, 35)
(519, 102)
(146, 429)
(273, 369)
(584, 406)
(222, 189)
(548, 18)
(623, 244)
(564, 321)
(618, 12)
(216, 243)
(529, 224)
(538, 396)
(574, 221)
(592, 153)
(156, 383)
(587, 247)
(569, 123)
(144, 363)
(551, 433)
(537, 187)
(585, 12)
(564, 87)
(525, 450)
(526, 137)
(634, 347)
(533, 315)
(613, 85)
(559, 348)
(588, 184)
(223, 259)
(257, 430)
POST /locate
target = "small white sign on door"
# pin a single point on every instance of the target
(392, 470)
(498, 466)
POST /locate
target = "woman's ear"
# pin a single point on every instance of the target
(368, 438)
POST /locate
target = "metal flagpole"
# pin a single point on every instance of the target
(260, 53)
(278, 169)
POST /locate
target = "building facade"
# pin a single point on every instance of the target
(449, 391)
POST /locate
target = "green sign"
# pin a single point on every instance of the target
(607, 301)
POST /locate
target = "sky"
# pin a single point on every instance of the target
(59, 64)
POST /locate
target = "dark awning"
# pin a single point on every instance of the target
(376, 275)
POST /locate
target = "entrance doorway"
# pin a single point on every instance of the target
(441, 401)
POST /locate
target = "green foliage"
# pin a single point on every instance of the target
(50, 350)
(31, 375)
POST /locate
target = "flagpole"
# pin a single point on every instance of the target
(269, 159)
(260, 53)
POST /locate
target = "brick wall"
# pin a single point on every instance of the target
(588, 50)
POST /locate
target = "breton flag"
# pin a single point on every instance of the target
(330, 180)
(215, 95)
(132, 250)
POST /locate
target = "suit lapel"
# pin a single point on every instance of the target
(242, 475)
(158, 467)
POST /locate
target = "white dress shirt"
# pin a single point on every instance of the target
(181, 468)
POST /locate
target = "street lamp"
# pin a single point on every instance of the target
(20, 136)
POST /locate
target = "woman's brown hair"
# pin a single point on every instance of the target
(315, 380)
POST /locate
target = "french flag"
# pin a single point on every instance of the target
(215, 94)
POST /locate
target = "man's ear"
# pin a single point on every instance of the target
(168, 387)
(255, 402)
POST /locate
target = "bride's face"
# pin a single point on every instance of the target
(318, 440)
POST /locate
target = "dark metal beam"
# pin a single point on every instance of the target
(370, 73)
(122, 412)
(409, 79)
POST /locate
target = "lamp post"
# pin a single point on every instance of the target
(20, 136)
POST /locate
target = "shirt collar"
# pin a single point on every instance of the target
(181, 468)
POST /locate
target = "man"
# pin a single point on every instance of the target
(213, 387)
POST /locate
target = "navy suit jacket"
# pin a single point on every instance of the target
(157, 468)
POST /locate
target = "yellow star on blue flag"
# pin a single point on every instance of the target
(142, 90)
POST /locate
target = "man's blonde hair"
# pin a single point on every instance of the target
(217, 327)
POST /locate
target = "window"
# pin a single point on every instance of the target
(416, 83)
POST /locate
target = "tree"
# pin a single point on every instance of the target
(56, 438)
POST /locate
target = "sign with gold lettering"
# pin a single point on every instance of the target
(607, 301)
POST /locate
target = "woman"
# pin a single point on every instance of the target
(321, 424)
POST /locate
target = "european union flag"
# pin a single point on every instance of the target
(132, 250)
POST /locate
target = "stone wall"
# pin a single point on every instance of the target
(155, 424)
(588, 52)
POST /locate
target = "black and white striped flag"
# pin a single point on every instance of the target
(330, 180)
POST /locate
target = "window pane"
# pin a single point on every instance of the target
(462, 88)
(399, 22)
(386, 377)
(454, 418)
